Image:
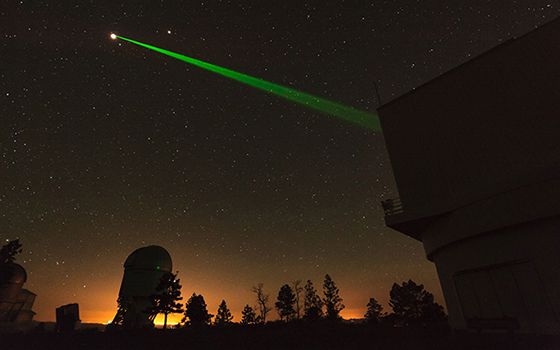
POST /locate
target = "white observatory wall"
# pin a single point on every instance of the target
(512, 272)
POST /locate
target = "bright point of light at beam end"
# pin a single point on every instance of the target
(113, 36)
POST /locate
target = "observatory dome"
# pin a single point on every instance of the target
(150, 258)
(12, 273)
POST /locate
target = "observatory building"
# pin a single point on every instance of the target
(143, 270)
(67, 317)
(15, 302)
(476, 158)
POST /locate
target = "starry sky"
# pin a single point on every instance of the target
(106, 147)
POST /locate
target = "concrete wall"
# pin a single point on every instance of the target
(511, 272)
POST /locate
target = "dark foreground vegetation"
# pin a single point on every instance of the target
(308, 320)
(272, 336)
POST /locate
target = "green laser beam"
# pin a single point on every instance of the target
(350, 114)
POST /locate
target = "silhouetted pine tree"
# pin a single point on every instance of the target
(312, 303)
(374, 311)
(165, 301)
(223, 316)
(248, 315)
(332, 301)
(285, 304)
(9, 251)
(196, 313)
(412, 305)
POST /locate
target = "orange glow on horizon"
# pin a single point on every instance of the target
(102, 307)
(105, 316)
(97, 299)
(172, 319)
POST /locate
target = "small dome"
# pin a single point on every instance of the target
(151, 258)
(12, 273)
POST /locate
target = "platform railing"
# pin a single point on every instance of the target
(392, 206)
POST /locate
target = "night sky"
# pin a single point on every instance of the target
(106, 147)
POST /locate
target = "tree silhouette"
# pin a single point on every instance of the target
(412, 305)
(9, 251)
(374, 311)
(296, 287)
(262, 302)
(196, 312)
(223, 316)
(165, 301)
(312, 303)
(122, 307)
(332, 301)
(285, 304)
(248, 315)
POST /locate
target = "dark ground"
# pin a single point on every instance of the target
(340, 336)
